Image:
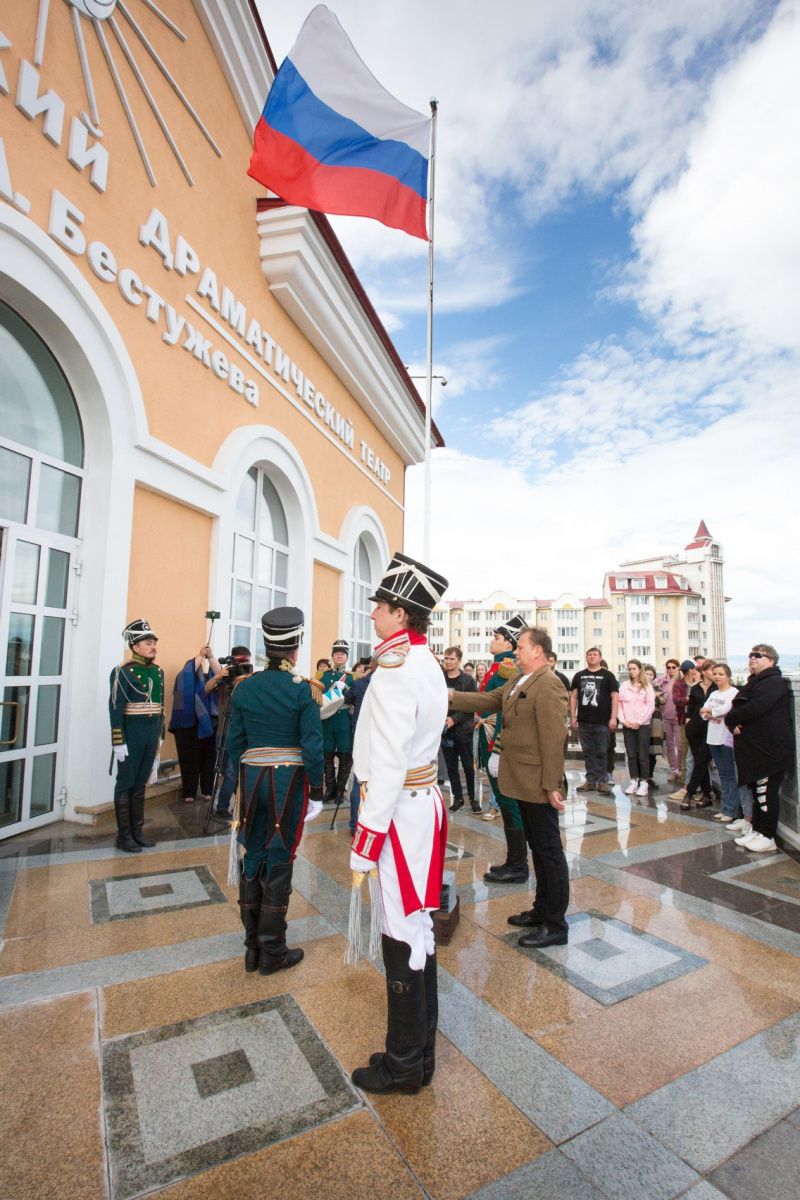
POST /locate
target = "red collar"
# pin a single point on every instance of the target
(416, 639)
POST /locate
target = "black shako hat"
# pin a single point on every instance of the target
(512, 628)
(282, 629)
(340, 644)
(138, 631)
(410, 585)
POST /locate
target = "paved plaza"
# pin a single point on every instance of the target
(657, 1055)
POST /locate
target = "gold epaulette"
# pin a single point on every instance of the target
(507, 669)
(317, 690)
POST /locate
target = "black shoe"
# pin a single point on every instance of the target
(139, 837)
(506, 874)
(456, 805)
(476, 808)
(251, 959)
(378, 1079)
(543, 936)
(527, 919)
(128, 844)
(704, 802)
(268, 966)
(222, 814)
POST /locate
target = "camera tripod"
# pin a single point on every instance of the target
(220, 762)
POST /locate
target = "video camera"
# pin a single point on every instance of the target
(236, 668)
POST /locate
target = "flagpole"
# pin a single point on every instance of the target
(426, 501)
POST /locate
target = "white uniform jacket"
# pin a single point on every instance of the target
(402, 828)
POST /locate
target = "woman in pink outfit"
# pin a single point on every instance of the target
(637, 699)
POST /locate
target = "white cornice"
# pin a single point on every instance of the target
(308, 282)
(240, 51)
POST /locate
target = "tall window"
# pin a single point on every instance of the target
(361, 626)
(260, 571)
(41, 475)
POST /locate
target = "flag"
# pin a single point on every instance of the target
(331, 138)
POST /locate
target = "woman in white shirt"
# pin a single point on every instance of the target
(720, 740)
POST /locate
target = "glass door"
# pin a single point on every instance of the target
(36, 585)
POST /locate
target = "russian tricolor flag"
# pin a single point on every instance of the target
(332, 139)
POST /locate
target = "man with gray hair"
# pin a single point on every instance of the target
(761, 722)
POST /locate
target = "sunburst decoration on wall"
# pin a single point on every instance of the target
(101, 15)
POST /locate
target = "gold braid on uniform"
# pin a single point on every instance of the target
(507, 669)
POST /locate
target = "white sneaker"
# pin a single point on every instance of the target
(679, 795)
(630, 790)
(759, 843)
(643, 788)
(741, 826)
(746, 838)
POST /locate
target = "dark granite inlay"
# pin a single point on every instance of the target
(701, 873)
(142, 1138)
(156, 889)
(209, 890)
(223, 1073)
(643, 975)
(600, 949)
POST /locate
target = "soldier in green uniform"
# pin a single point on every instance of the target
(337, 731)
(275, 741)
(503, 668)
(136, 708)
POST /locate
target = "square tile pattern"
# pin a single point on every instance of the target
(192, 1095)
(610, 960)
(119, 897)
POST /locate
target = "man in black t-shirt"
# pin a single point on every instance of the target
(457, 739)
(593, 702)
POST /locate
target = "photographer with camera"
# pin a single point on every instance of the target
(238, 666)
(194, 721)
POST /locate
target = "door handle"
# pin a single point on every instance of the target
(15, 704)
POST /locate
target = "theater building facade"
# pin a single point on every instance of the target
(199, 407)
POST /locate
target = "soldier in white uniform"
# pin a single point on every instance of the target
(402, 820)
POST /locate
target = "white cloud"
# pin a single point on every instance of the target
(720, 250)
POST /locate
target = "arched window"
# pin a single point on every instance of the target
(260, 560)
(41, 474)
(361, 626)
(41, 447)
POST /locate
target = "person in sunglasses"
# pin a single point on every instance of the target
(761, 722)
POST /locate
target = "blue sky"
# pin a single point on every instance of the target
(617, 309)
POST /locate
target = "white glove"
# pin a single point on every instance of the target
(493, 766)
(120, 753)
(364, 865)
(313, 810)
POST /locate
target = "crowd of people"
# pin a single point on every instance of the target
(293, 743)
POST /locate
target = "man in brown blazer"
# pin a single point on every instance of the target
(531, 770)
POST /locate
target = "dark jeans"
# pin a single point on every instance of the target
(355, 800)
(549, 864)
(594, 744)
(461, 750)
(637, 749)
(700, 780)
(196, 760)
(766, 792)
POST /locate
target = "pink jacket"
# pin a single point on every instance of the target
(635, 704)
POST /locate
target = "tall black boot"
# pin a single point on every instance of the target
(400, 1068)
(249, 908)
(329, 768)
(273, 953)
(345, 766)
(432, 1021)
(125, 840)
(137, 819)
(515, 868)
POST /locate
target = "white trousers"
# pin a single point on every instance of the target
(418, 821)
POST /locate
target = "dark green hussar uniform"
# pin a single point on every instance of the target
(136, 709)
(337, 732)
(275, 742)
(503, 668)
